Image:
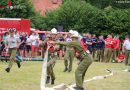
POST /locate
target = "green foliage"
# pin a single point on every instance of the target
(109, 18)
(123, 4)
(3, 2)
(84, 17)
(71, 15)
(21, 9)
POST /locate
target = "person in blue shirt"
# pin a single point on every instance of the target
(60, 38)
(89, 43)
(100, 49)
(94, 43)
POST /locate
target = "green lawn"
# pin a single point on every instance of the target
(28, 76)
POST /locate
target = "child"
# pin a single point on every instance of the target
(120, 57)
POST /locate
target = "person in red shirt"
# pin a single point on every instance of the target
(120, 57)
(115, 48)
(108, 48)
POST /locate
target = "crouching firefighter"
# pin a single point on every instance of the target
(52, 56)
(83, 55)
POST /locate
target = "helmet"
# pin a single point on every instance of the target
(53, 31)
(71, 31)
(75, 34)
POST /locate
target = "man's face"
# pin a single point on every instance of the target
(53, 36)
(69, 34)
(11, 33)
(94, 35)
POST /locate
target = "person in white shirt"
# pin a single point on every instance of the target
(28, 47)
(35, 42)
(12, 43)
(126, 49)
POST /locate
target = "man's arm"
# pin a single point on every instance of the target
(62, 43)
(18, 43)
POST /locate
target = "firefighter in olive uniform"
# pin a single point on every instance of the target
(52, 56)
(83, 55)
(69, 54)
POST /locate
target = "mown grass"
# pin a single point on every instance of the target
(28, 76)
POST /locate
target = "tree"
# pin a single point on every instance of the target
(123, 4)
(84, 17)
(21, 9)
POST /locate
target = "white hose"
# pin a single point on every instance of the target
(44, 69)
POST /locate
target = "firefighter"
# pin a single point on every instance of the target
(12, 43)
(52, 56)
(83, 55)
(69, 54)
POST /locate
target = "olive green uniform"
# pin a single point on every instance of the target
(100, 55)
(127, 60)
(52, 56)
(108, 53)
(12, 43)
(115, 53)
(85, 58)
(51, 64)
(68, 60)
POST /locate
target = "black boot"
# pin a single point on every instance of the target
(78, 88)
(65, 69)
(52, 81)
(48, 79)
(69, 70)
(7, 69)
(18, 63)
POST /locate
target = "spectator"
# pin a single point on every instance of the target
(28, 47)
(115, 48)
(126, 49)
(22, 46)
(108, 48)
(100, 49)
(61, 48)
(120, 57)
(89, 42)
(34, 48)
(5, 36)
(94, 43)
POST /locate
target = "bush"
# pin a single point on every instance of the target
(84, 17)
(22, 9)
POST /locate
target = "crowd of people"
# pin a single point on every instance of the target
(103, 50)
(85, 48)
(29, 44)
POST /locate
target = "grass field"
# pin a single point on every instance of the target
(28, 76)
